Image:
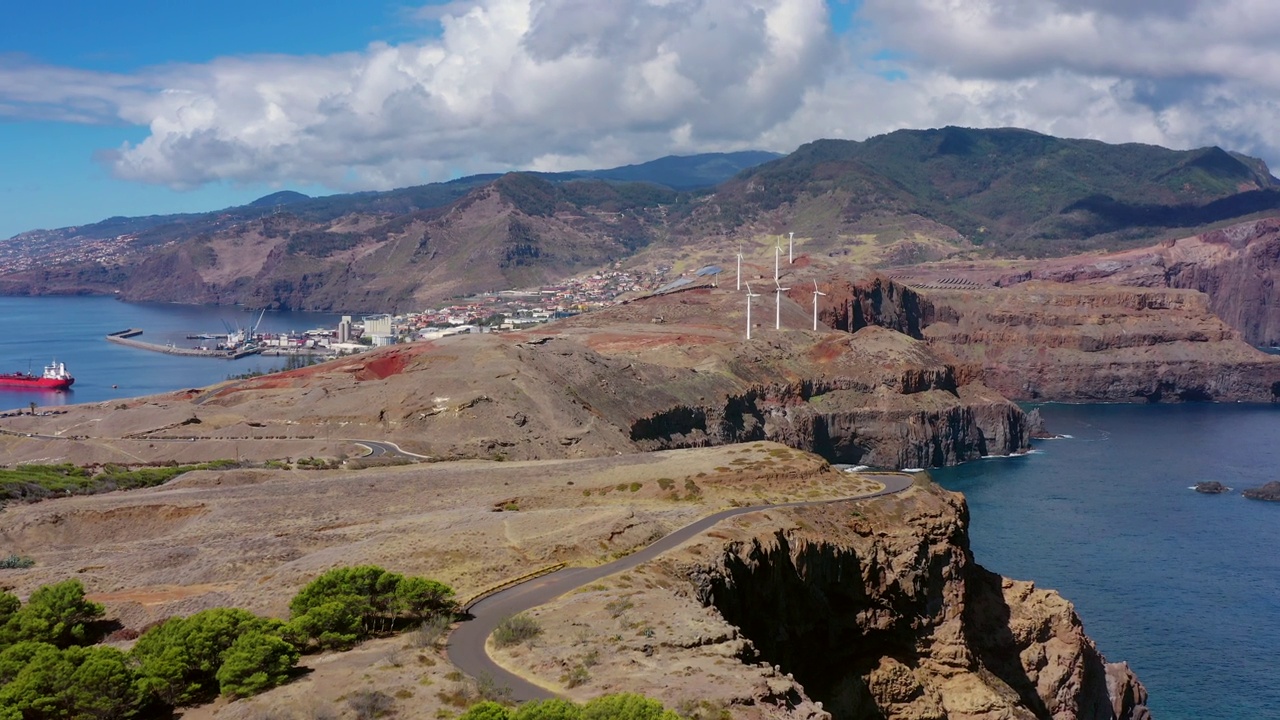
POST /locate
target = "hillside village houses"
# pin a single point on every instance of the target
(488, 312)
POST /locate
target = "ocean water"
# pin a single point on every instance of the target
(1183, 586)
(34, 331)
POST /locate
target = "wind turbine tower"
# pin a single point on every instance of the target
(777, 305)
(749, 296)
(791, 246)
(816, 293)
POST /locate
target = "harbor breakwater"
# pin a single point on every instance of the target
(126, 337)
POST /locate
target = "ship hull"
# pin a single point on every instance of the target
(34, 383)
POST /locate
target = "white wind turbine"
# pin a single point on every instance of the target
(816, 293)
(749, 296)
(791, 246)
(739, 275)
(777, 305)
(777, 254)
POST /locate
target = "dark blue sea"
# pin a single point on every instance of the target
(1184, 586)
(34, 331)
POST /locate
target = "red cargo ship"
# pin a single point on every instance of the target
(55, 377)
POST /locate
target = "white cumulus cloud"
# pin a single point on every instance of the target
(561, 84)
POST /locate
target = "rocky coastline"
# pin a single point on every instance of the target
(897, 620)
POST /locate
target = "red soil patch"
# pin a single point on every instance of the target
(158, 594)
(828, 350)
(383, 367)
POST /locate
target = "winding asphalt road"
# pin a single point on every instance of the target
(382, 448)
(466, 647)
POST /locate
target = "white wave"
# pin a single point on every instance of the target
(857, 468)
(1013, 455)
(913, 470)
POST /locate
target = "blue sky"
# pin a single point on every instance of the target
(48, 175)
(137, 107)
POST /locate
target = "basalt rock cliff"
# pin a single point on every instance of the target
(1236, 267)
(879, 611)
(1036, 340)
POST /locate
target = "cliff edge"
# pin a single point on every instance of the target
(859, 609)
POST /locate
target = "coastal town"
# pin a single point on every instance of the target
(500, 311)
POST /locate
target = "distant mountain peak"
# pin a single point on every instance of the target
(284, 197)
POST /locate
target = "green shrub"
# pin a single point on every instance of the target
(554, 709)
(516, 629)
(347, 604)
(57, 614)
(75, 682)
(575, 677)
(16, 562)
(626, 706)
(256, 661)
(178, 661)
(486, 710)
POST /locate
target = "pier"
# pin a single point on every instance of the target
(126, 337)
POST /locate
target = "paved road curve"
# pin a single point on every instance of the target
(382, 448)
(466, 644)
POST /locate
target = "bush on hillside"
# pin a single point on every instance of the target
(626, 706)
(622, 706)
(347, 604)
(44, 681)
(179, 660)
(516, 629)
(256, 661)
(57, 614)
(554, 709)
(486, 710)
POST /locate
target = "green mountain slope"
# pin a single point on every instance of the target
(1014, 191)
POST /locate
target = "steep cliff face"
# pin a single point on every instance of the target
(1049, 341)
(856, 302)
(879, 611)
(1035, 340)
(1237, 267)
(876, 397)
(845, 423)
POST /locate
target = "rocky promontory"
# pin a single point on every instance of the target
(864, 609)
(1270, 491)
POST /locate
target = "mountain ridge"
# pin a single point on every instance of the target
(904, 197)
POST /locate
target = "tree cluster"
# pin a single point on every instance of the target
(50, 668)
(349, 604)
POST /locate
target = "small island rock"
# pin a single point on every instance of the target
(1270, 491)
(1213, 487)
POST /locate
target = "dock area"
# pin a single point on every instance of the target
(126, 337)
